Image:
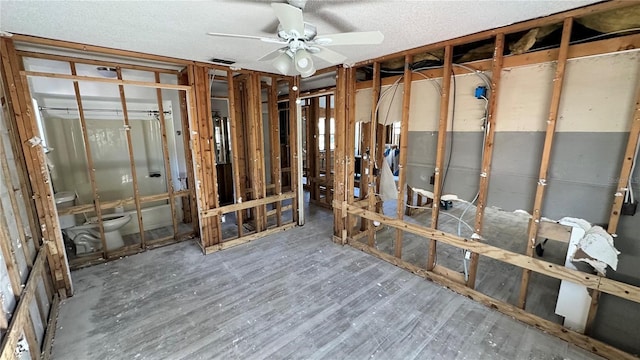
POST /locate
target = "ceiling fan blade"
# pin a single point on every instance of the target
(273, 54)
(264, 39)
(329, 56)
(350, 38)
(290, 17)
(283, 64)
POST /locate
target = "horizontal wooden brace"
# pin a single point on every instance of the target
(246, 239)
(591, 281)
(79, 209)
(106, 80)
(246, 205)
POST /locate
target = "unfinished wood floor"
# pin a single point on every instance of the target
(291, 295)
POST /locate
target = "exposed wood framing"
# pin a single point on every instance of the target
(35, 161)
(373, 126)
(404, 148)
(628, 42)
(349, 142)
(339, 168)
(296, 158)
(91, 167)
(77, 60)
(276, 163)
(546, 154)
(618, 198)
(47, 345)
(104, 80)
(485, 170)
(256, 146)
(441, 150)
(247, 204)
(15, 207)
(521, 26)
(547, 326)
(191, 208)
(328, 167)
(9, 255)
(235, 159)
(165, 156)
(313, 152)
(132, 161)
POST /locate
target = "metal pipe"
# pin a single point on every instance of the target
(150, 112)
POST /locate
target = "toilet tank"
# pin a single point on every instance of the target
(65, 199)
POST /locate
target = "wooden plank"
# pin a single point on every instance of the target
(487, 154)
(78, 60)
(8, 182)
(296, 158)
(328, 197)
(235, 160)
(544, 325)
(256, 144)
(513, 28)
(441, 150)
(546, 154)
(30, 336)
(190, 209)
(50, 330)
(248, 238)
(35, 161)
(91, 167)
(98, 49)
(449, 274)
(349, 145)
(79, 209)
(21, 312)
(276, 162)
(404, 148)
(554, 231)
(247, 204)
(373, 127)
(599, 47)
(165, 155)
(119, 82)
(622, 290)
(618, 199)
(9, 255)
(339, 168)
(132, 160)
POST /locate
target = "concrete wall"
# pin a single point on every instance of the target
(592, 131)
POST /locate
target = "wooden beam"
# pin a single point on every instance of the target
(235, 159)
(296, 158)
(50, 330)
(580, 340)
(247, 204)
(276, 163)
(256, 144)
(339, 168)
(619, 289)
(517, 27)
(99, 49)
(35, 161)
(132, 160)
(77, 60)
(190, 211)
(21, 313)
(327, 147)
(9, 255)
(166, 156)
(441, 150)
(488, 146)
(349, 144)
(404, 148)
(248, 238)
(91, 167)
(375, 96)
(546, 154)
(622, 43)
(621, 190)
(119, 82)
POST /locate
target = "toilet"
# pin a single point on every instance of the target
(86, 237)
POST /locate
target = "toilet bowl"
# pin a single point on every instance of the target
(86, 237)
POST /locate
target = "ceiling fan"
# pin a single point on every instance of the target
(300, 41)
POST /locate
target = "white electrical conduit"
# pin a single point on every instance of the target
(629, 194)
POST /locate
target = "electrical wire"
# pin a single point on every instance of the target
(453, 116)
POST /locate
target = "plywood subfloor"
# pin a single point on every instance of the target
(291, 295)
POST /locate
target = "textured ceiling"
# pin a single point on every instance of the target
(178, 28)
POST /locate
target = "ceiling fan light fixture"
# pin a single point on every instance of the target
(304, 63)
(283, 64)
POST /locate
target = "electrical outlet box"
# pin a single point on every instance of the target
(481, 92)
(629, 208)
(432, 179)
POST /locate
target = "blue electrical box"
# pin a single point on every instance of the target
(481, 92)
